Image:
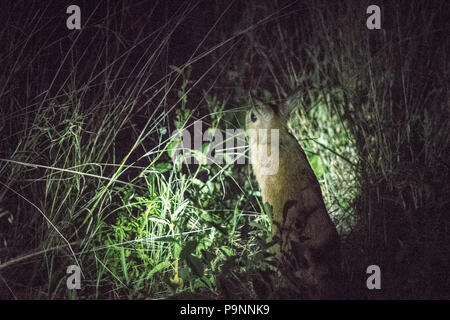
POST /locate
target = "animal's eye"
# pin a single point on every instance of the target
(253, 117)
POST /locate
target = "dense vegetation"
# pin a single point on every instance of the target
(88, 174)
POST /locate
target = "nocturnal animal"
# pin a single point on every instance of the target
(307, 240)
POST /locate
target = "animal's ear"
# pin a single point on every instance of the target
(292, 102)
(255, 99)
(257, 102)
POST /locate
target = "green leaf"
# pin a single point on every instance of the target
(257, 225)
(158, 267)
(200, 156)
(268, 209)
(205, 146)
(317, 165)
(124, 264)
(226, 251)
(174, 146)
(176, 250)
(163, 167)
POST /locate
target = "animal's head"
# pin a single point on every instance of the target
(267, 131)
(262, 115)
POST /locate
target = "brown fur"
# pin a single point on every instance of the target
(308, 240)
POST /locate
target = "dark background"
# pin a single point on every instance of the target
(396, 84)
